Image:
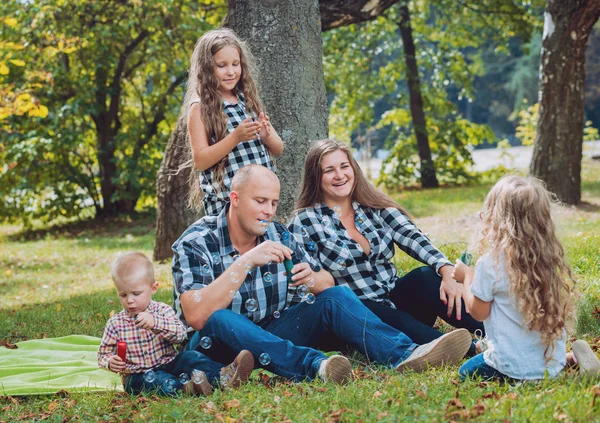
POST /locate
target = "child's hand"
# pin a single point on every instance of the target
(265, 126)
(115, 364)
(461, 270)
(247, 130)
(144, 320)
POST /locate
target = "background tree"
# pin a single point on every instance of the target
(558, 145)
(111, 73)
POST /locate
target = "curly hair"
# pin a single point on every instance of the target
(203, 84)
(517, 227)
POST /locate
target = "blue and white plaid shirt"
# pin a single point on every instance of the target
(370, 276)
(204, 252)
(245, 153)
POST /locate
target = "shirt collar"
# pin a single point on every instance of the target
(323, 209)
(225, 245)
(240, 98)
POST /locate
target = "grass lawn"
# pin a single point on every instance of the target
(55, 283)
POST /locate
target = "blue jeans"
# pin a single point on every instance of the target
(336, 309)
(165, 378)
(477, 366)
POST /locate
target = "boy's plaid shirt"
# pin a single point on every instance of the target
(247, 152)
(370, 276)
(146, 348)
(204, 252)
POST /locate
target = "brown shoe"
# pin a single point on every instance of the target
(589, 365)
(336, 369)
(238, 372)
(447, 349)
(201, 384)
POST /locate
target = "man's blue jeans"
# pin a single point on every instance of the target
(286, 338)
(165, 378)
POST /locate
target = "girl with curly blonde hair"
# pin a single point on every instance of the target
(521, 287)
(227, 126)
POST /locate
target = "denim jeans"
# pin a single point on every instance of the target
(477, 366)
(164, 380)
(287, 339)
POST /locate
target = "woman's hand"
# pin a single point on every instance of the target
(451, 292)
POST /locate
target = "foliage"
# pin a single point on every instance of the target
(106, 78)
(527, 128)
(447, 34)
(48, 294)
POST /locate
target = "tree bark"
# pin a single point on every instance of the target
(558, 144)
(172, 188)
(428, 177)
(336, 13)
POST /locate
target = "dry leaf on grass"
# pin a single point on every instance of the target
(235, 403)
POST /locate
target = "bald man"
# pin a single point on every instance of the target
(232, 290)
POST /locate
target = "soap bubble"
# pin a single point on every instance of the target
(337, 210)
(311, 246)
(341, 264)
(150, 376)
(206, 270)
(264, 359)
(205, 342)
(303, 291)
(251, 304)
(234, 277)
(276, 314)
(197, 376)
(197, 296)
(268, 277)
(310, 283)
(310, 298)
(184, 378)
(216, 258)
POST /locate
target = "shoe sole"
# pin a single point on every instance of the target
(203, 387)
(244, 365)
(338, 370)
(589, 365)
(449, 349)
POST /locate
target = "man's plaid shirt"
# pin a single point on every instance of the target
(247, 152)
(146, 348)
(204, 252)
(370, 276)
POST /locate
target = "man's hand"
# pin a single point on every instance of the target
(115, 364)
(266, 252)
(144, 320)
(302, 274)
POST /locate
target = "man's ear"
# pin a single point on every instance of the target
(234, 198)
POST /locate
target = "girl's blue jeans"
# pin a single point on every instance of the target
(287, 339)
(164, 380)
(476, 366)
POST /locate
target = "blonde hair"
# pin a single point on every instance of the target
(362, 192)
(130, 267)
(517, 224)
(203, 84)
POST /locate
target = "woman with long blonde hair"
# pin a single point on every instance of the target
(227, 126)
(521, 285)
(352, 228)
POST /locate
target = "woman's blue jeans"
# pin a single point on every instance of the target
(287, 339)
(164, 380)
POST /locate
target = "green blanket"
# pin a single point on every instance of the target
(46, 366)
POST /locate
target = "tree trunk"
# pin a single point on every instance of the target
(559, 139)
(106, 164)
(285, 37)
(172, 188)
(428, 177)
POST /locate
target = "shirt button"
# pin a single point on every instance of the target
(145, 352)
(262, 154)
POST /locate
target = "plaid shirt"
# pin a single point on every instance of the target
(146, 348)
(370, 276)
(204, 252)
(245, 153)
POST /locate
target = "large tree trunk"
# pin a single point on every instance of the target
(285, 37)
(428, 177)
(172, 188)
(559, 139)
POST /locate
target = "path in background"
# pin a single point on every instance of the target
(514, 158)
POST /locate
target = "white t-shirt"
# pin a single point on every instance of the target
(513, 349)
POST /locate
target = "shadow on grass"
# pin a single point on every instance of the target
(136, 224)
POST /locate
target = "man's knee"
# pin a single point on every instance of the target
(340, 293)
(223, 317)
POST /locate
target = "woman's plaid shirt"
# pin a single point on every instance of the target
(146, 348)
(370, 276)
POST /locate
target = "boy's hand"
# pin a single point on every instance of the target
(115, 364)
(461, 270)
(247, 130)
(144, 320)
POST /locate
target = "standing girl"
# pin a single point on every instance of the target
(227, 126)
(521, 286)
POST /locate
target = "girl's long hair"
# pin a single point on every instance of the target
(202, 84)
(517, 226)
(362, 192)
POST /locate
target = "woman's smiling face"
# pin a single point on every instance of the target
(337, 179)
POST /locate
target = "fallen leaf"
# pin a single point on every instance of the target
(235, 403)
(421, 394)
(277, 399)
(335, 416)
(377, 394)
(596, 392)
(8, 345)
(492, 394)
(287, 394)
(382, 415)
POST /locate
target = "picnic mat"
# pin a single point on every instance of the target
(46, 366)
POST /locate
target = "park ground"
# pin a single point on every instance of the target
(55, 282)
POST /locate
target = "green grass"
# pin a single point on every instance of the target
(56, 282)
